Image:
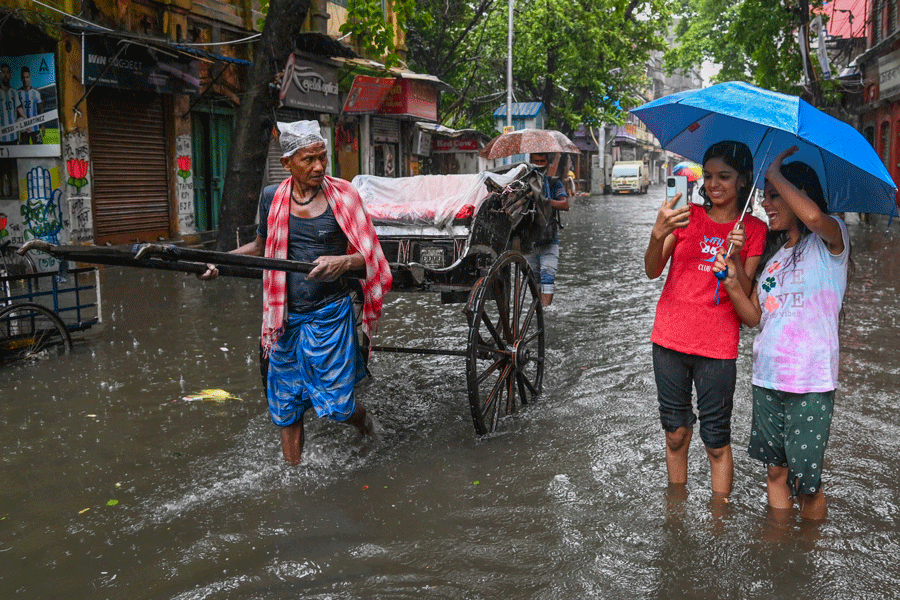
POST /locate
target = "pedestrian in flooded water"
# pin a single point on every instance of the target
(544, 258)
(797, 304)
(308, 332)
(696, 330)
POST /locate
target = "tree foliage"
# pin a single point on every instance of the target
(582, 59)
(753, 41)
(375, 28)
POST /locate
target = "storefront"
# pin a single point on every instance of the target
(381, 113)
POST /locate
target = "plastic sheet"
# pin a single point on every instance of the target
(433, 200)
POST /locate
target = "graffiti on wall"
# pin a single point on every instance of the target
(80, 221)
(41, 210)
(184, 185)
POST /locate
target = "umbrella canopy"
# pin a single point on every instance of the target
(691, 170)
(852, 176)
(528, 141)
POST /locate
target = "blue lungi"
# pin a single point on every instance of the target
(315, 364)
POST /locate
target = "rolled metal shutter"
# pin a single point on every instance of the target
(275, 172)
(127, 137)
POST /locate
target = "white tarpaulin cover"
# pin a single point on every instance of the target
(427, 199)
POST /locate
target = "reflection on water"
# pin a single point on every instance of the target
(115, 486)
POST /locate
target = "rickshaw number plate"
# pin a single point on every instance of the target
(432, 256)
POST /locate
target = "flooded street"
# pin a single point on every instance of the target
(115, 486)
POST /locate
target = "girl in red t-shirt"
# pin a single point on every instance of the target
(695, 334)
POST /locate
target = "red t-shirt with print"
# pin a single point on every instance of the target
(687, 317)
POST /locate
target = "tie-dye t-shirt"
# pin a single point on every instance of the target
(796, 349)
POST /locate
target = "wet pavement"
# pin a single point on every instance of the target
(115, 486)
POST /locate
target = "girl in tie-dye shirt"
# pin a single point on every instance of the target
(799, 295)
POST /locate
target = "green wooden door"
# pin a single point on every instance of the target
(211, 143)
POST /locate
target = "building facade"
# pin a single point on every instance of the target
(118, 115)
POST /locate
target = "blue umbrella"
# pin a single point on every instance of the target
(852, 176)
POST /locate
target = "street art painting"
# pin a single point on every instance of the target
(41, 210)
(184, 185)
(80, 220)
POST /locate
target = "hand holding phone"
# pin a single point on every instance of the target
(676, 184)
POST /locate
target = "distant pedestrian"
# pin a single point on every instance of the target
(544, 258)
(797, 304)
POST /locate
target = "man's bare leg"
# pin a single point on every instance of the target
(546, 299)
(292, 442)
(362, 421)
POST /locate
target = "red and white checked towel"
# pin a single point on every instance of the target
(356, 225)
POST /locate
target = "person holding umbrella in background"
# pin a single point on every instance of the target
(797, 304)
(544, 259)
(696, 330)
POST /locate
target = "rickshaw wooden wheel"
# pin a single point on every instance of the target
(29, 331)
(505, 354)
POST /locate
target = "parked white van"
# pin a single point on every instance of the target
(630, 177)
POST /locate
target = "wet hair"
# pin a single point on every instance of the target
(805, 179)
(737, 156)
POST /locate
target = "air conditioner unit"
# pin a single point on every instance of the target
(422, 147)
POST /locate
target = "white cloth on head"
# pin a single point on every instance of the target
(299, 134)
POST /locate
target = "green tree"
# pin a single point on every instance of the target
(253, 123)
(582, 59)
(753, 41)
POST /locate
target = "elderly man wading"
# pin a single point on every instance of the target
(308, 322)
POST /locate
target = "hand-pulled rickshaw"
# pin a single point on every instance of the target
(462, 236)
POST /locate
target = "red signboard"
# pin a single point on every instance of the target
(454, 145)
(412, 98)
(367, 93)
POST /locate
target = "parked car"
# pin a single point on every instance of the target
(631, 177)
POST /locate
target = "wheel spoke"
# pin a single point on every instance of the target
(521, 380)
(493, 331)
(487, 372)
(530, 386)
(529, 316)
(496, 391)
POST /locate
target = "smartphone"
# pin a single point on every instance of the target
(676, 184)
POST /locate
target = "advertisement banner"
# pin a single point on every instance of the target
(310, 86)
(120, 64)
(367, 94)
(411, 98)
(29, 125)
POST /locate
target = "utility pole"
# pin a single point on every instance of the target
(815, 87)
(509, 58)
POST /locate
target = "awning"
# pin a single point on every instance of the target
(211, 56)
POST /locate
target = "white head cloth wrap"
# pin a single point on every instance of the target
(299, 134)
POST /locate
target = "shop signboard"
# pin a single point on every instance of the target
(443, 145)
(367, 94)
(310, 86)
(411, 98)
(29, 119)
(889, 75)
(122, 64)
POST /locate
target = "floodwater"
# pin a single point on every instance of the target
(115, 486)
